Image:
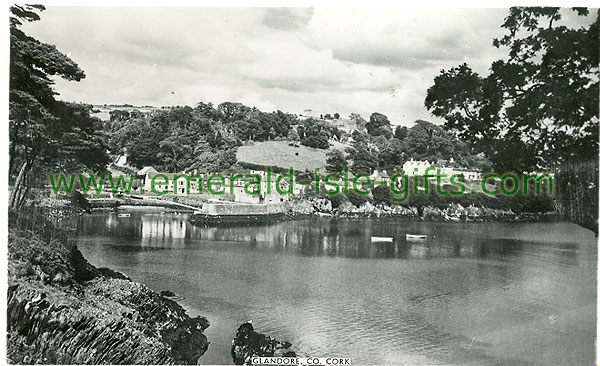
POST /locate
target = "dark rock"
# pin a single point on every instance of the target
(63, 310)
(248, 343)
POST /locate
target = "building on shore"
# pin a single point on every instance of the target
(418, 167)
(252, 187)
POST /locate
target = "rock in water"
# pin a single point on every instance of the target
(247, 344)
(167, 293)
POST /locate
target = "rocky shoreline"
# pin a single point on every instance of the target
(305, 207)
(63, 310)
(451, 213)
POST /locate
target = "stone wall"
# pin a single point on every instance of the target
(244, 209)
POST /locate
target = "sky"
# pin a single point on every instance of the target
(292, 59)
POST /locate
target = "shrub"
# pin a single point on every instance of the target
(382, 194)
(357, 199)
(337, 200)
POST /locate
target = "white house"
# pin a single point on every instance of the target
(147, 173)
(415, 167)
(418, 167)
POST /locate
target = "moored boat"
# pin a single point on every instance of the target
(415, 237)
(387, 239)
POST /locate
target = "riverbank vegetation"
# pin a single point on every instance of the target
(416, 204)
(62, 310)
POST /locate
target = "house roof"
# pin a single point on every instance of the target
(147, 169)
(380, 174)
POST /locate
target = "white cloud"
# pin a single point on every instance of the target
(329, 60)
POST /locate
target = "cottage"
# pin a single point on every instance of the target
(146, 174)
(415, 167)
(380, 176)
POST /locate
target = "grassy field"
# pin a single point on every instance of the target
(279, 153)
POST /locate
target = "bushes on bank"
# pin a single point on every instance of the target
(357, 199)
(382, 194)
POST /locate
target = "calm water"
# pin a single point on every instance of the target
(489, 293)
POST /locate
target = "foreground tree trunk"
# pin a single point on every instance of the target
(16, 196)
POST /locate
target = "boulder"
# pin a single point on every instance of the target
(248, 343)
(322, 205)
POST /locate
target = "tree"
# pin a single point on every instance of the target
(232, 111)
(379, 125)
(538, 105)
(39, 125)
(392, 156)
(337, 199)
(318, 139)
(316, 134)
(382, 194)
(210, 162)
(426, 141)
(364, 157)
(357, 199)
(82, 141)
(358, 120)
(336, 115)
(336, 161)
(401, 132)
(293, 136)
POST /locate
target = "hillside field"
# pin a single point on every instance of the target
(279, 153)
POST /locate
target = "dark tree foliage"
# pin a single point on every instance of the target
(392, 156)
(401, 132)
(250, 123)
(357, 199)
(382, 194)
(45, 134)
(358, 120)
(363, 155)
(336, 199)
(185, 138)
(315, 133)
(379, 125)
(336, 161)
(538, 105)
(426, 141)
(423, 141)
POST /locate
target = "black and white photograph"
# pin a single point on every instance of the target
(301, 183)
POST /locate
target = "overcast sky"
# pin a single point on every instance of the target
(328, 60)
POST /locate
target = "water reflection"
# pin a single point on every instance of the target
(327, 237)
(489, 293)
(137, 230)
(163, 232)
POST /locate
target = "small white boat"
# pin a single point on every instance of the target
(415, 237)
(124, 215)
(381, 239)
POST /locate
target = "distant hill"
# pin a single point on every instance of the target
(280, 154)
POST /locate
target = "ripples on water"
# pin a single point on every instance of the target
(488, 293)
